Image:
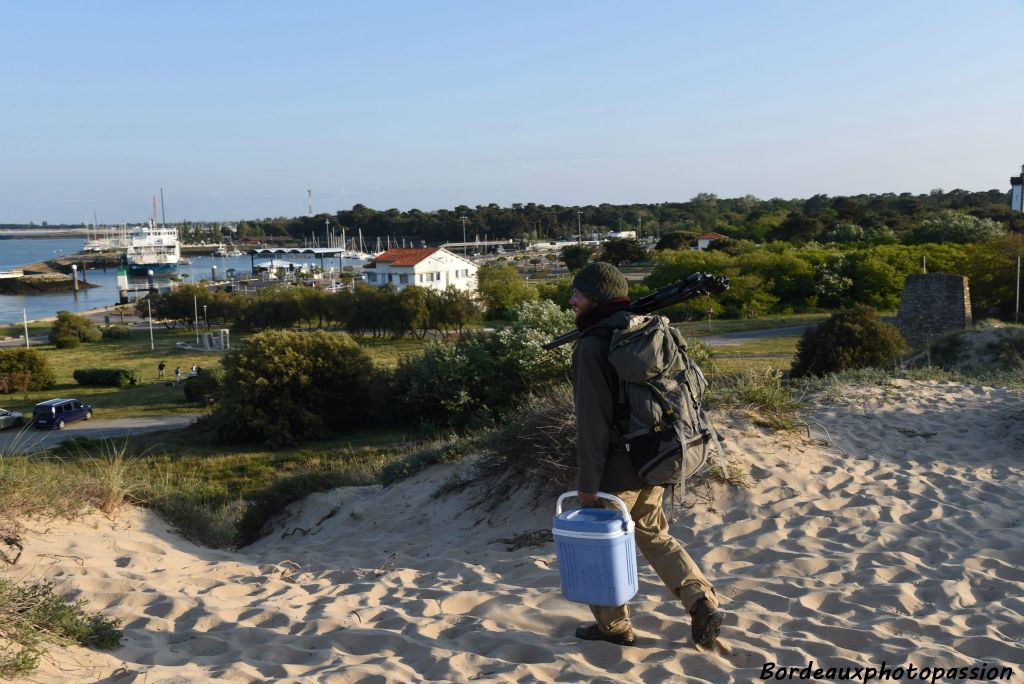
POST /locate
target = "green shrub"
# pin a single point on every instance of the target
(107, 377)
(202, 388)
(117, 332)
(66, 341)
(69, 327)
(288, 387)
(30, 362)
(475, 379)
(855, 338)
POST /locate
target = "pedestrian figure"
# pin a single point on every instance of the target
(177, 375)
(600, 299)
(160, 369)
(195, 369)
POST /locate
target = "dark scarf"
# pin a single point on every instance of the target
(601, 311)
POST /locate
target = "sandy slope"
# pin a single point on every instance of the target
(893, 532)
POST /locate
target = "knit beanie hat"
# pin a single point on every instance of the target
(601, 282)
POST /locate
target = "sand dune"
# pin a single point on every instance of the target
(890, 531)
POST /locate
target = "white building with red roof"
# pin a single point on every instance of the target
(705, 240)
(431, 267)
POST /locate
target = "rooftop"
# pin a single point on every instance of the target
(403, 257)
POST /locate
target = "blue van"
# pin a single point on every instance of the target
(56, 413)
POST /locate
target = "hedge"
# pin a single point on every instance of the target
(117, 332)
(107, 377)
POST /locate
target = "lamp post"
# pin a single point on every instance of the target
(74, 276)
(1017, 306)
(149, 306)
(206, 323)
(463, 236)
(213, 272)
(195, 304)
(579, 226)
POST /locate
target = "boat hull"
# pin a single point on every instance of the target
(157, 269)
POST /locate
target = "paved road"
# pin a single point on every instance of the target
(30, 439)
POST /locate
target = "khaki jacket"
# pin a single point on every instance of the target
(601, 461)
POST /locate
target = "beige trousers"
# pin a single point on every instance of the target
(667, 556)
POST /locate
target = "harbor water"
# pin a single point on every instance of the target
(18, 252)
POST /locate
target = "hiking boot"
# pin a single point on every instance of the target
(706, 623)
(594, 633)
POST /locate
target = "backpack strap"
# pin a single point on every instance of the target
(620, 409)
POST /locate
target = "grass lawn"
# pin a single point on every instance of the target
(731, 325)
(153, 396)
(388, 351)
(758, 347)
(726, 366)
(150, 397)
(755, 354)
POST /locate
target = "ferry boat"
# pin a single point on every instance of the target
(153, 248)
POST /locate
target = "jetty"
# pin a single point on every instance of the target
(55, 275)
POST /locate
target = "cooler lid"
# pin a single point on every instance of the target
(590, 520)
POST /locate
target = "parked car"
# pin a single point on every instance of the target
(56, 413)
(10, 419)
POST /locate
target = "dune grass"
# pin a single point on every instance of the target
(218, 496)
(34, 616)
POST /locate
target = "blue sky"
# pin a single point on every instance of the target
(235, 108)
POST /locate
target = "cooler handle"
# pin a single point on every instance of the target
(611, 497)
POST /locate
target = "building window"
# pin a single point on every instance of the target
(403, 278)
(371, 277)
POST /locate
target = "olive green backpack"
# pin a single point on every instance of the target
(666, 432)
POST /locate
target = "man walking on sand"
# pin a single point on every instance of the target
(600, 299)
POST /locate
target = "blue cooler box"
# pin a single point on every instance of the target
(596, 553)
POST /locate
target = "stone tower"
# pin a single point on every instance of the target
(1017, 191)
(932, 305)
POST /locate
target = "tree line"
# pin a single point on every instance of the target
(364, 310)
(880, 217)
(783, 278)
